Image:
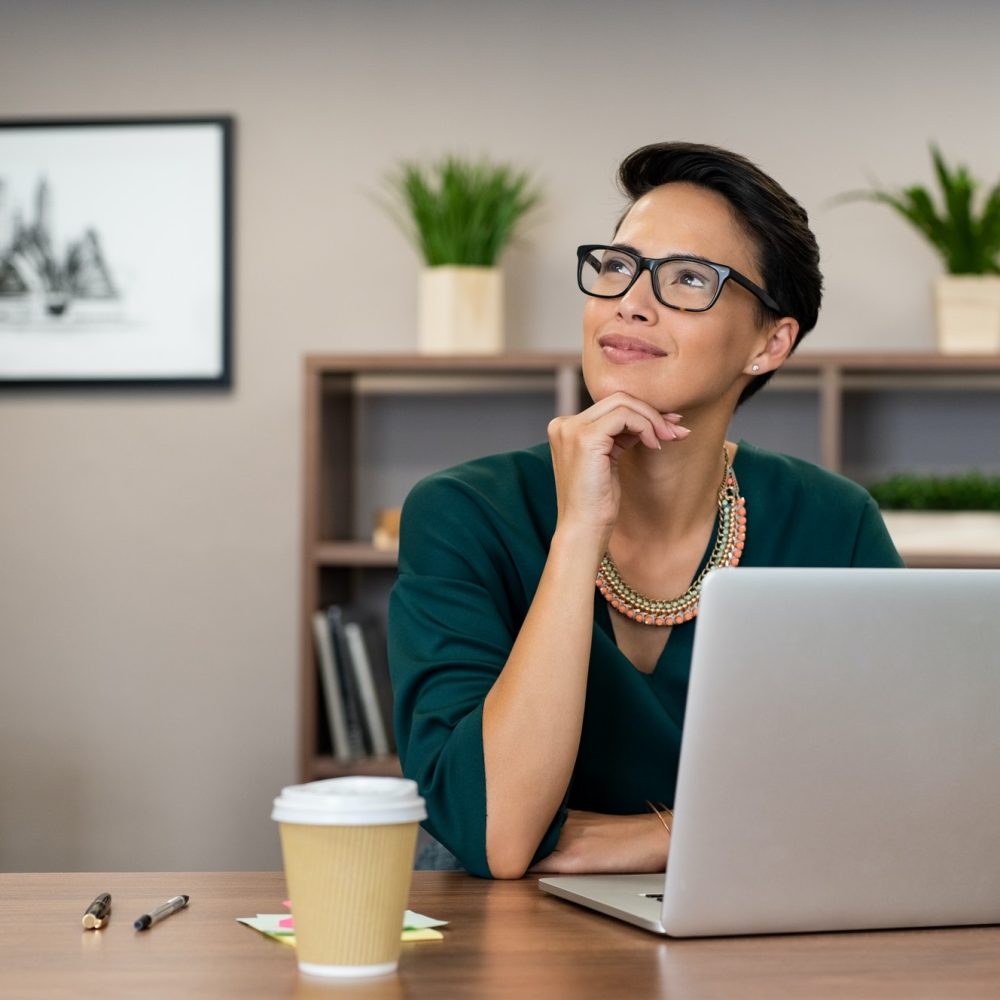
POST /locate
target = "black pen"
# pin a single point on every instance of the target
(163, 910)
(98, 912)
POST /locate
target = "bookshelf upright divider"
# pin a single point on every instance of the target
(512, 397)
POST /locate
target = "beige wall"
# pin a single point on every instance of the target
(148, 541)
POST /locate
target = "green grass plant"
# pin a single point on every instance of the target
(458, 211)
(964, 233)
(973, 491)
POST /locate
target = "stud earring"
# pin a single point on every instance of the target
(755, 368)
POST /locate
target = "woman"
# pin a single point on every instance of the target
(540, 714)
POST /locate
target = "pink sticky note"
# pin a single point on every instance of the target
(287, 922)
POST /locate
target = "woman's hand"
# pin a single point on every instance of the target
(596, 842)
(585, 452)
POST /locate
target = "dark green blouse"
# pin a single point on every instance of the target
(474, 540)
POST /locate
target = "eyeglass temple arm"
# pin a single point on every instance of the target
(750, 286)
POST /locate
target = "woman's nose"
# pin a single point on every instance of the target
(639, 302)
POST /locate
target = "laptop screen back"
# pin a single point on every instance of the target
(841, 753)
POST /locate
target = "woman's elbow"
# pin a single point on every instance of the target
(501, 870)
(508, 861)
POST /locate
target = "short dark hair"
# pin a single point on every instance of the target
(787, 252)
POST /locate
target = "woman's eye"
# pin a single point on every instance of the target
(690, 278)
(616, 265)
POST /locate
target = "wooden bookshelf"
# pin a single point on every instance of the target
(339, 563)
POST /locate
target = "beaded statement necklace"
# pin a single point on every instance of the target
(727, 550)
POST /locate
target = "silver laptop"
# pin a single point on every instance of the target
(840, 763)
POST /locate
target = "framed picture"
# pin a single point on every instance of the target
(115, 252)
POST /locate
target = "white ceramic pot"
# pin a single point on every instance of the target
(460, 310)
(968, 313)
(933, 532)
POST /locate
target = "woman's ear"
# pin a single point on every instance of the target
(781, 337)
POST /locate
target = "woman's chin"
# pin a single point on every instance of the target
(600, 385)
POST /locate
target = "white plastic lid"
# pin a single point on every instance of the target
(354, 801)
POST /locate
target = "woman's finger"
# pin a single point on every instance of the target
(661, 422)
(624, 419)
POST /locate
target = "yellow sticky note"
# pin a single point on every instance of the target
(422, 934)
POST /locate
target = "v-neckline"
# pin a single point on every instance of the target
(603, 611)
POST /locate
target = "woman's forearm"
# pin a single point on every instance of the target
(533, 716)
(595, 842)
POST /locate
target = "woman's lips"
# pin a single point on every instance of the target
(622, 350)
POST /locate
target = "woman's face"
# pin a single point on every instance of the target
(676, 361)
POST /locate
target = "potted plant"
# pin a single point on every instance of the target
(907, 491)
(966, 235)
(460, 216)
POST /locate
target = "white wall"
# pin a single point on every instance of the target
(149, 541)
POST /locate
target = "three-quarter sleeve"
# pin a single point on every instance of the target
(873, 546)
(454, 614)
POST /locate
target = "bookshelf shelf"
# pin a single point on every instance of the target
(375, 424)
(353, 554)
(325, 766)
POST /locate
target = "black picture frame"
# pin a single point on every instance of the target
(116, 252)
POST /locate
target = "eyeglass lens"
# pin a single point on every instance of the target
(682, 283)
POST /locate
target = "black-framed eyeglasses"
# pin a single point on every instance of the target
(691, 284)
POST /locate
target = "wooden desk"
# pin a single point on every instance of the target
(505, 939)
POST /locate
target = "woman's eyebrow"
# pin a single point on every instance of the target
(686, 254)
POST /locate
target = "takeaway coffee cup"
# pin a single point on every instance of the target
(348, 847)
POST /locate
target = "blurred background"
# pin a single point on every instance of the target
(149, 541)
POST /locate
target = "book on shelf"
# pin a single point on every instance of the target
(356, 683)
(378, 656)
(371, 711)
(333, 694)
(348, 684)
